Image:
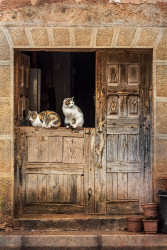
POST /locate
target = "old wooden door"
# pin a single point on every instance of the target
(54, 168)
(123, 146)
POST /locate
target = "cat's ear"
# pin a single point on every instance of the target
(72, 98)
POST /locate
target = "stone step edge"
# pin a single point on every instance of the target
(98, 241)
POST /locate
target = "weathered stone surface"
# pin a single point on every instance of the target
(5, 197)
(5, 84)
(126, 36)
(161, 80)
(40, 37)
(89, 13)
(83, 37)
(161, 118)
(4, 47)
(104, 36)
(5, 156)
(158, 183)
(162, 47)
(5, 114)
(161, 153)
(147, 36)
(18, 36)
(61, 36)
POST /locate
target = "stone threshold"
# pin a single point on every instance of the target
(81, 240)
(78, 222)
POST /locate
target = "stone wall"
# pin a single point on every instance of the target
(81, 24)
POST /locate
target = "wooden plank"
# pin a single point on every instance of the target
(112, 148)
(109, 187)
(123, 122)
(38, 149)
(73, 150)
(55, 168)
(42, 187)
(72, 188)
(55, 149)
(62, 132)
(133, 130)
(122, 186)
(133, 148)
(55, 188)
(89, 170)
(122, 148)
(31, 188)
(100, 147)
(122, 167)
(133, 185)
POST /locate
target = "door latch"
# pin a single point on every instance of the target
(89, 193)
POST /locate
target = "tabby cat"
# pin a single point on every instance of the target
(73, 115)
(45, 119)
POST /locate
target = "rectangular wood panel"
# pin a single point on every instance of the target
(122, 186)
(55, 149)
(73, 150)
(38, 149)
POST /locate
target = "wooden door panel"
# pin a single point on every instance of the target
(73, 150)
(54, 188)
(125, 75)
(55, 146)
(54, 175)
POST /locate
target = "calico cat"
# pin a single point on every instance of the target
(45, 119)
(73, 115)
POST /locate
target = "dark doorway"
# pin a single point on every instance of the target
(63, 75)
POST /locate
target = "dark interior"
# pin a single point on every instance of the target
(67, 74)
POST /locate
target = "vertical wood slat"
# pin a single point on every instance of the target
(122, 186)
(133, 148)
(100, 148)
(112, 147)
(55, 152)
(133, 186)
(122, 148)
(89, 168)
(31, 188)
(42, 187)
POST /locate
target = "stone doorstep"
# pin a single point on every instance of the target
(72, 222)
(81, 240)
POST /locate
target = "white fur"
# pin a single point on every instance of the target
(71, 112)
(36, 122)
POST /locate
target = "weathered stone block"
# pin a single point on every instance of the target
(161, 80)
(83, 37)
(40, 37)
(4, 47)
(161, 153)
(126, 36)
(6, 202)
(5, 156)
(104, 36)
(147, 36)
(61, 36)
(162, 47)
(158, 183)
(5, 121)
(161, 118)
(18, 36)
(5, 85)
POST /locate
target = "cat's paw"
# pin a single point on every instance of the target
(74, 126)
(67, 126)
